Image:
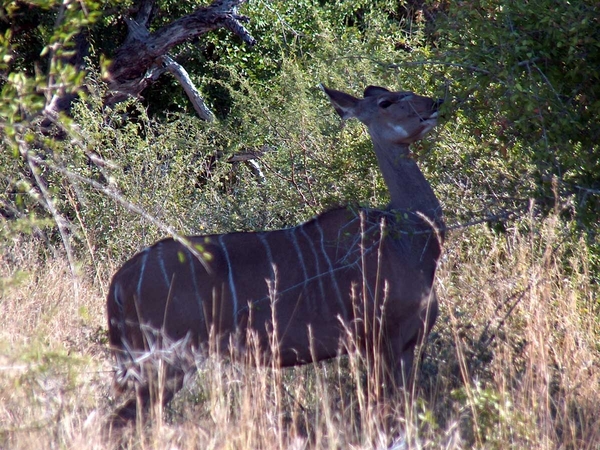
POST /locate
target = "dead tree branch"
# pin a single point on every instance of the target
(184, 79)
(141, 58)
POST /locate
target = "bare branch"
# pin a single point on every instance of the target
(113, 194)
(145, 12)
(129, 73)
(137, 31)
(47, 201)
(188, 86)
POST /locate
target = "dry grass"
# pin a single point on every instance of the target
(514, 362)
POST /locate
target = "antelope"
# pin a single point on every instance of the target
(296, 289)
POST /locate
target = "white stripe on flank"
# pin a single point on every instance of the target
(161, 264)
(299, 253)
(230, 277)
(331, 274)
(195, 283)
(314, 251)
(271, 282)
(142, 269)
(119, 321)
(263, 239)
(117, 296)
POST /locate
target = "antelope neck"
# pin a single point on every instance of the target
(409, 190)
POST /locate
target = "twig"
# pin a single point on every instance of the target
(507, 215)
(486, 341)
(60, 221)
(418, 63)
(186, 82)
(88, 242)
(111, 193)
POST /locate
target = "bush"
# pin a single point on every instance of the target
(524, 77)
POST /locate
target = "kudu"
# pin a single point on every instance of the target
(299, 291)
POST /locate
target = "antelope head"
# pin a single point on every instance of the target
(393, 117)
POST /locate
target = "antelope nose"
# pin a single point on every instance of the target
(437, 103)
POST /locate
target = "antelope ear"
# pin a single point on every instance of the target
(344, 104)
(372, 91)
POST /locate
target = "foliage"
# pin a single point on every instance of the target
(525, 79)
(262, 97)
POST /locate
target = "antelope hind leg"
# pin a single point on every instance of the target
(160, 390)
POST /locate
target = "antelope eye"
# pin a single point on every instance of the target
(384, 104)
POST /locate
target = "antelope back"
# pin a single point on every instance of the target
(314, 275)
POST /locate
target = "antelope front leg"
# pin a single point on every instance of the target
(391, 373)
(402, 347)
(400, 357)
(405, 340)
(403, 372)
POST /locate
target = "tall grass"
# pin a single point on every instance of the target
(513, 362)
